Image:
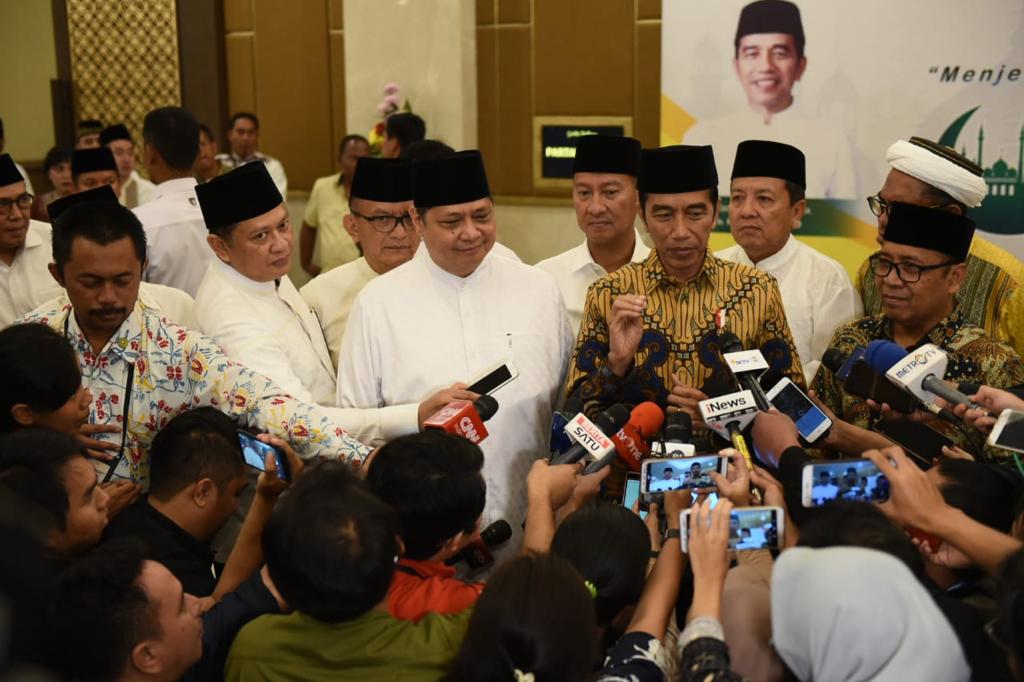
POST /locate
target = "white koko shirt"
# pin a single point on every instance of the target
(26, 283)
(575, 270)
(176, 234)
(418, 328)
(331, 294)
(816, 293)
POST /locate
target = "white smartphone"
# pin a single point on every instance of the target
(787, 398)
(631, 493)
(843, 479)
(494, 378)
(660, 475)
(749, 528)
(1008, 433)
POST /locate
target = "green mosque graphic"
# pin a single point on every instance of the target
(1002, 211)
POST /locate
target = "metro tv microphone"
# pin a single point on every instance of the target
(631, 440)
(477, 554)
(728, 415)
(746, 366)
(559, 441)
(592, 438)
(464, 418)
(675, 437)
(920, 374)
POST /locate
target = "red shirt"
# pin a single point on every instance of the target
(422, 587)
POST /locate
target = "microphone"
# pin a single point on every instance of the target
(746, 366)
(477, 554)
(592, 437)
(463, 418)
(919, 374)
(839, 363)
(675, 437)
(728, 415)
(559, 440)
(864, 382)
(631, 440)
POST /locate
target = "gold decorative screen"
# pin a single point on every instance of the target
(124, 59)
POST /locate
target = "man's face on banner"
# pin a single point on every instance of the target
(768, 65)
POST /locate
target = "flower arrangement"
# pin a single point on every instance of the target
(390, 104)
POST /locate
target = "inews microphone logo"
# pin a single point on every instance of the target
(920, 359)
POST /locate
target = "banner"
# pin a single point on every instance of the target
(871, 72)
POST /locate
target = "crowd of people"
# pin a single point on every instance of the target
(149, 331)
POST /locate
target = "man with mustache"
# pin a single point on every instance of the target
(766, 204)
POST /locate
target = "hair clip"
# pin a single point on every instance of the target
(590, 588)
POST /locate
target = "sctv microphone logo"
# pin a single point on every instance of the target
(919, 360)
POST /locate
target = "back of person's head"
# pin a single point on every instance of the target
(534, 618)
(32, 464)
(610, 546)
(423, 150)
(100, 222)
(1008, 627)
(40, 372)
(986, 493)
(330, 545)
(846, 523)
(174, 133)
(433, 480)
(195, 445)
(405, 127)
(100, 612)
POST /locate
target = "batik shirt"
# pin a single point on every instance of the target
(974, 357)
(681, 324)
(177, 369)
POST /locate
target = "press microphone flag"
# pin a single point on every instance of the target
(464, 418)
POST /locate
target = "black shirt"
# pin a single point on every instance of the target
(189, 559)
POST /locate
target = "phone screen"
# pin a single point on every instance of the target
(255, 452)
(1012, 435)
(755, 528)
(492, 381)
(631, 493)
(677, 474)
(792, 402)
(921, 442)
(855, 479)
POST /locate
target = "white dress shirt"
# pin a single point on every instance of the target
(269, 328)
(331, 295)
(175, 236)
(26, 283)
(575, 270)
(816, 292)
(418, 328)
(274, 167)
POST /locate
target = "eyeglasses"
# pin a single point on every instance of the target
(878, 205)
(386, 224)
(24, 202)
(907, 272)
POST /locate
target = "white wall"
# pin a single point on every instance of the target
(427, 47)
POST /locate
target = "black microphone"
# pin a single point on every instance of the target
(732, 349)
(865, 383)
(593, 438)
(559, 440)
(676, 437)
(477, 554)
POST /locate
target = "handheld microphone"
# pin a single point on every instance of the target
(728, 415)
(864, 382)
(559, 440)
(631, 440)
(463, 418)
(477, 554)
(919, 374)
(675, 437)
(746, 366)
(840, 363)
(591, 438)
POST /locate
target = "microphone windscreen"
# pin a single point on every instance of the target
(717, 385)
(615, 417)
(834, 359)
(729, 342)
(486, 406)
(647, 419)
(882, 355)
(678, 427)
(496, 533)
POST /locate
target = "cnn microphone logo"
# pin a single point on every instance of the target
(468, 430)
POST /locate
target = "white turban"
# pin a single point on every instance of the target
(930, 168)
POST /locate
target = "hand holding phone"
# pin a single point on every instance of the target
(749, 528)
(787, 398)
(706, 541)
(660, 475)
(1008, 432)
(255, 452)
(848, 479)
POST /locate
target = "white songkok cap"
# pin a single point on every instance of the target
(940, 167)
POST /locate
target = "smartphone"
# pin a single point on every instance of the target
(1008, 433)
(255, 452)
(494, 378)
(864, 382)
(749, 528)
(843, 479)
(787, 398)
(631, 493)
(922, 443)
(660, 475)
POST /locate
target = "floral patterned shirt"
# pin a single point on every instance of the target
(177, 369)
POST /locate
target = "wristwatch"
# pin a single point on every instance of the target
(672, 533)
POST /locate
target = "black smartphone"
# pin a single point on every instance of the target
(864, 382)
(922, 443)
(255, 452)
